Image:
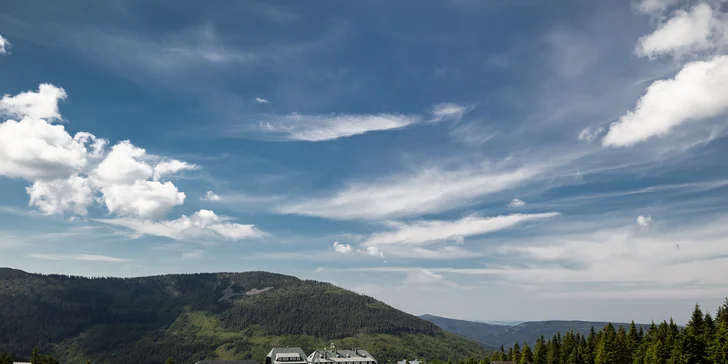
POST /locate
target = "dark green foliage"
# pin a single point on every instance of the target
(704, 340)
(192, 317)
(5, 358)
(169, 361)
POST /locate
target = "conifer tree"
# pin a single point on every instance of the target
(526, 355)
(719, 345)
(539, 352)
(516, 353)
(553, 354)
(6, 359)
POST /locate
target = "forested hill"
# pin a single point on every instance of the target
(493, 336)
(191, 317)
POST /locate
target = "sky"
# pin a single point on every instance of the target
(482, 160)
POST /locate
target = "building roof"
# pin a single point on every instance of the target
(227, 362)
(354, 355)
(276, 353)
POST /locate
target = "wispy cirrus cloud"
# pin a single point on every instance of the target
(426, 191)
(424, 232)
(316, 128)
(79, 257)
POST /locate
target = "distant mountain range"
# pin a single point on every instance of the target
(493, 336)
(192, 317)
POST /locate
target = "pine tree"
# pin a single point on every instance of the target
(502, 353)
(516, 353)
(35, 357)
(709, 329)
(553, 355)
(526, 355)
(6, 359)
(719, 345)
(607, 349)
(539, 352)
(721, 316)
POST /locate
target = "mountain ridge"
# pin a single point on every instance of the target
(492, 336)
(198, 316)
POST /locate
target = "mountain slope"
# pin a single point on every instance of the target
(493, 336)
(204, 316)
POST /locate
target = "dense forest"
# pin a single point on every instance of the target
(192, 317)
(704, 340)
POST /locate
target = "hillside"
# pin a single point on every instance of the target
(493, 336)
(204, 316)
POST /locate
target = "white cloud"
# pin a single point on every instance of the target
(193, 254)
(342, 248)
(685, 33)
(644, 221)
(42, 104)
(698, 91)
(654, 6)
(471, 134)
(516, 203)
(319, 269)
(448, 111)
(4, 45)
(123, 179)
(428, 191)
(34, 149)
(424, 232)
(201, 224)
(54, 197)
(210, 196)
(373, 251)
(315, 128)
(81, 257)
(423, 276)
(589, 134)
(261, 101)
(170, 167)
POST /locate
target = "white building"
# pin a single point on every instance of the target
(334, 356)
(286, 356)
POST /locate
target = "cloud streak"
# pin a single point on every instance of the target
(317, 128)
(79, 257)
(427, 191)
(426, 232)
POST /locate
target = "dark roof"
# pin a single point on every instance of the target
(227, 362)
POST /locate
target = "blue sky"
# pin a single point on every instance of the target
(485, 160)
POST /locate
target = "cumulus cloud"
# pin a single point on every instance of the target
(261, 101)
(81, 257)
(425, 232)
(316, 128)
(448, 111)
(687, 32)
(54, 197)
(42, 104)
(644, 221)
(201, 224)
(4, 45)
(427, 191)
(211, 196)
(699, 91)
(70, 173)
(342, 248)
(123, 178)
(589, 134)
(34, 149)
(516, 203)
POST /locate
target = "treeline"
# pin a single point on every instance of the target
(704, 340)
(35, 358)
